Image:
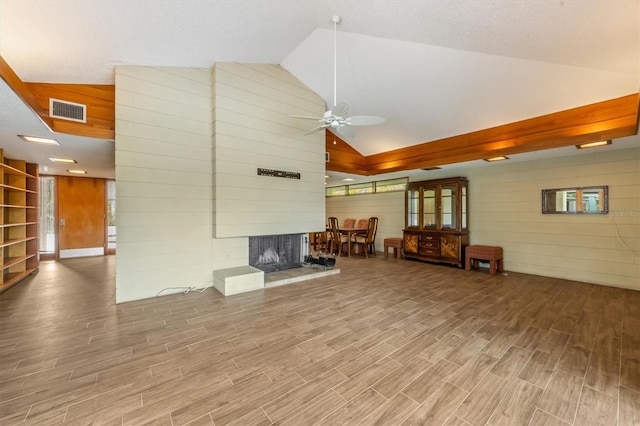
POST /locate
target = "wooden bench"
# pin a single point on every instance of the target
(396, 244)
(488, 253)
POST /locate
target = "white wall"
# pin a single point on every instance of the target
(163, 179)
(505, 210)
(179, 132)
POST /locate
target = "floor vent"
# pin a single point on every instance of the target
(67, 110)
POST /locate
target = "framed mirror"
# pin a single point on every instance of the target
(581, 200)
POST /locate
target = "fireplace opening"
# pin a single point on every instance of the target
(271, 253)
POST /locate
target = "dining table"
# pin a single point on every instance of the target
(349, 232)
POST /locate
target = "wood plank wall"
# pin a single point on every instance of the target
(505, 210)
(188, 145)
(163, 179)
(253, 130)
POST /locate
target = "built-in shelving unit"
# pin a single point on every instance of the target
(18, 221)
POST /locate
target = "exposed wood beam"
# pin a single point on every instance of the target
(610, 119)
(99, 99)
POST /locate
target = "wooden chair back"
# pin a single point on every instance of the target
(363, 223)
(349, 223)
(372, 228)
(334, 235)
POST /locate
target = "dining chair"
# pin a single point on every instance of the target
(335, 239)
(368, 241)
(349, 223)
(362, 223)
(320, 241)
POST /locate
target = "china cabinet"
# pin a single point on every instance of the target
(437, 220)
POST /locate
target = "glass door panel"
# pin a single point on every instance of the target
(464, 207)
(448, 207)
(429, 208)
(47, 220)
(412, 208)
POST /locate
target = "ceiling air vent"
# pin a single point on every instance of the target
(67, 110)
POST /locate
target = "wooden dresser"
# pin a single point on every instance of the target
(437, 220)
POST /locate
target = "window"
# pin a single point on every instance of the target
(336, 191)
(361, 188)
(111, 214)
(47, 218)
(390, 185)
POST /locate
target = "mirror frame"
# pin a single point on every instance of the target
(604, 203)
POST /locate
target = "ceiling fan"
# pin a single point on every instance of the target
(337, 118)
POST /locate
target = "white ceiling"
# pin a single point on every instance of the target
(432, 68)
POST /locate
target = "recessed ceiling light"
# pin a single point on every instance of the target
(327, 176)
(62, 160)
(502, 157)
(593, 144)
(348, 180)
(78, 172)
(35, 139)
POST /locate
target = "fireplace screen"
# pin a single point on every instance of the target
(276, 252)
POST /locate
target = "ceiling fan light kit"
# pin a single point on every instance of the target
(337, 118)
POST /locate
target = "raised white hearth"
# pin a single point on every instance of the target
(238, 280)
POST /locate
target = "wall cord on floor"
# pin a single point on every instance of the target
(185, 290)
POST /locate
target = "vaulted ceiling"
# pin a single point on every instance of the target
(456, 80)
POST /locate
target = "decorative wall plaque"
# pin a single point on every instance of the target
(278, 173)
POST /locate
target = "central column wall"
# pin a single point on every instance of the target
(188, 145)
(253, 129)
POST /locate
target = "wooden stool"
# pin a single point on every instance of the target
(396, 244)
(488, 253)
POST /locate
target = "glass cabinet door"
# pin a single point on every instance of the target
(429, 208)
(412, 207)
(464, 208)
(448, 207)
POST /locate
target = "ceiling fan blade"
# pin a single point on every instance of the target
(364, 120)
(306, 117)
(341, 109)
(345, 132)
(316, 129)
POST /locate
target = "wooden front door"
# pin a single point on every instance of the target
(81, 215)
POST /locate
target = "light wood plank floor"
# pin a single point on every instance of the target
(387, 341)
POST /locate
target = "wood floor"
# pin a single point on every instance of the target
(387, 341)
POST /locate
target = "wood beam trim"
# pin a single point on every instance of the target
(98, 98)
(616, 118)
(626, 106)
(343, 157)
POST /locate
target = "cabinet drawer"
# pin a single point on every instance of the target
(430, 252)
(430, 244)
(430, 237)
